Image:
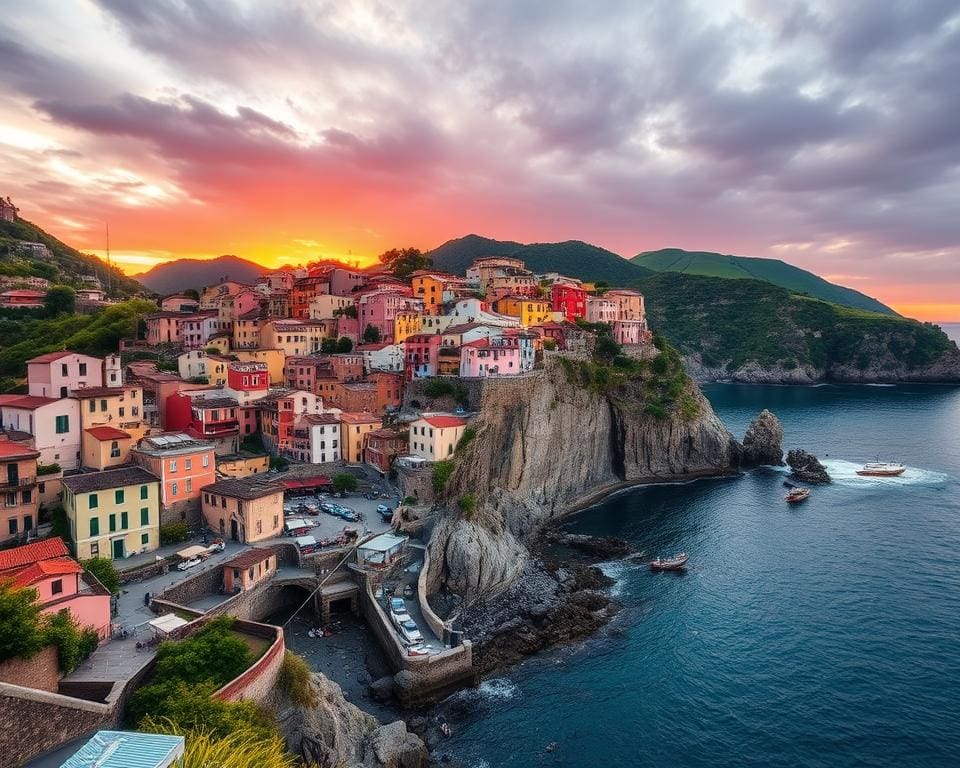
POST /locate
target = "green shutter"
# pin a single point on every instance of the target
(124, 521)
(145, 538)
(94, 526)
(118, 496)
(113, 523)
(94, 501)
(144, 516)
(144, 492)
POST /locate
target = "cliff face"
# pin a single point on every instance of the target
(545, 443)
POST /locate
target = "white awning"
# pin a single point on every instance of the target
(305, 541)
(191, 552)
(167, 623)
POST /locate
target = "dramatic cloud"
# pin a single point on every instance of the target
(821, 133)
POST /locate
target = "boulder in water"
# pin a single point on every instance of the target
(763, 441)
(807, 468)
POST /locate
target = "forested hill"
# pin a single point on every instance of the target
(173, 276)
(772, 271)
(65, 265)
(749, 330)
(572, 257)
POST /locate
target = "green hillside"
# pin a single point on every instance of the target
(572, 257)
(773, 271)
(66, 266)
(732, 324)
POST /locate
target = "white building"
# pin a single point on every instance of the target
(382, 357)
(434, 437)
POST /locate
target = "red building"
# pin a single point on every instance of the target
(389, 389)
(569, 298)
(248, 377)
(422, 355)
(383, 446)
(303, 291)
(210, 418)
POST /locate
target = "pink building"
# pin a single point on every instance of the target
(496, 356)
(379, 308)
(422, 355)
(54, 424)
(58, 373)
(601, 310)
(60, 582)
(631, 332)
(346, 282)
(184, 465)
(191, 330)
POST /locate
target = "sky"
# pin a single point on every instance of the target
(822, 133)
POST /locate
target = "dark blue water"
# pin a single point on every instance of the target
(822, 635)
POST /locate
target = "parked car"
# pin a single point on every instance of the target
(187, 564)
(397, 606)
(349, 515)
(410, 632)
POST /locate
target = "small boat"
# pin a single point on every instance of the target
(796, 495)
(882, 469)
(675, 563)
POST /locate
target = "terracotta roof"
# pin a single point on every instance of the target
(104, 433)
(10, 450)
(321, 418)
(113, 478)
(214, 402)
(388, 434)
(50, 357)
(247, 488)
(359, 418)
(99, 391)
(33, 573)
(45, 549)
(31, 402)
(249, 557)
(445, 421)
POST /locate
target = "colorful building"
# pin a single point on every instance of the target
(120, 407)
(272, 358)
(435, 437)
(294, 337)
(243, 464)
(382, 357)
(279, 411)
(105, 447)
(378, 308)
(113, 514)
(247, 510)
(423, 355)
(316, 438)
(354, 428)
(383, 446)
(302, 294)
(58, 373)
(601, 309)
(530, 311)
(208, 417)
(184, 465)
(630, 304)
(569, 298)
(18, 485)
(406, 324)
(248, 569)
(54, 424)
(498, 356)
(327, 307)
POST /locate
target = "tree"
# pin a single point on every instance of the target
(192, 293)
(21, 631)
(104, 570)
(328, 346)
(60, 300)
(371, 334)
(403, 262)
(348, 311)
(344, 482)
(344, 345)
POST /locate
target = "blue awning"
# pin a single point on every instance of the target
(127, 749)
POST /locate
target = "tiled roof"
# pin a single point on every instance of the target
(31, 574)
(50, 357)
(445, 421)
(108, 433)
(10, 450)
(31, 402)
(32, 553)
(113, 478)
(215, 402)
(249, 557)
(87, 392)
(246, 488)
(359, 418)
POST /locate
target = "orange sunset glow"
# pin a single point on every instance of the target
(284, 133)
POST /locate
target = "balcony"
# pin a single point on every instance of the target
(220, 427)
(17, 482)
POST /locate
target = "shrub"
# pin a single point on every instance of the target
(73, 644)
(344, 482)
(550, 344)
(468, 505)
(466, 438)
(344, 345)
(408, 500)
(279, 463)
(296, 680)
(21, 631)
(242, 747)
(441, 474)
(60, 526)
(173, 533)
(48, 469)
(105, 571)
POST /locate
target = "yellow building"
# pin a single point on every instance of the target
(294, 338)
(429, 288)
(246, 330)
(220, 342)
(435, 437)
(105, 447)
(244, 510)
(113, 514)
(354, 428)
(243, 464)
(406, 324)
(274, 359)
(530, 311)
(118, 407)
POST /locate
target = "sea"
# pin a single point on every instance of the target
(824, 634)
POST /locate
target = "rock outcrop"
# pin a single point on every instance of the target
(807, 468)
(548, 442)
(335, 732)
(763, 441)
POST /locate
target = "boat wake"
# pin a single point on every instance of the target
(617, 570)
(845, 473)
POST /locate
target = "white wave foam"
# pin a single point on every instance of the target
(498, 689)
(845, 473)
(617, 570)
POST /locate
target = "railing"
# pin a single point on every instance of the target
(20, 482)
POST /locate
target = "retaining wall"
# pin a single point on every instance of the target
(436, 624)
(258, 680)
(41, 671)
(195, 586)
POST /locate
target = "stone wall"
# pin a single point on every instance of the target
(33, 722)
(143, 571)
(435, 623)
(181, 511)
(41, 671)
(258, 680)
(197, 585)
(417, 483)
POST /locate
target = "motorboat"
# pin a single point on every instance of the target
(882, 469)
(796, 495)
(675, 563)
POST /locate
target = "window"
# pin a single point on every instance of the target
(144, 516)
(93, 406)
(94, 550)
(173, 465)
(118, 496)
(83, 369)
(94, 501)
(135, 410)
(13, 525)
(189, 485)
(63, 424)
(173, 489)
(113, 523)
(114, 450)
(133, 394)
(276, 521)
(144, 492)
(206, 460)
(123, 412)
(187, 464)
(103, 405)
(56, 587)
(28, 496)
(94, 526)
(145, 538)
(63, 369)
(124, 521)
(259, 528)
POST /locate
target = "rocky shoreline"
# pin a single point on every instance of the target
(806, 375)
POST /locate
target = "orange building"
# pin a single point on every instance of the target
(18, 485)
(184, 465)
(105, 447)
(354, 428)
(248, 568)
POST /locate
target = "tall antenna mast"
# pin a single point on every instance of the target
(109, 265)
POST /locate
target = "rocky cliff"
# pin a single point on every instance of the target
(553, 440)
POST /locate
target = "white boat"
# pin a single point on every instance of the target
(675, 563)
(882, 469)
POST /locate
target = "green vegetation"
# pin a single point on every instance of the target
(344, 345)
(441, 474)
(408, 500)
(348, 311)
(732, 323)
(344, 482)
(97, 334)
(60, 526)
(242, 747)
(371, 334)
(24, 630)
(66, 266)
(466, 438)
(331, 346)
(279, 463)
(60, 300)
(48, 469)
(550, 344)
(468, 505)
(403, 262)
(447, 388)
(173, 533)
(773, 271)
(105, 571)
(295, 680)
